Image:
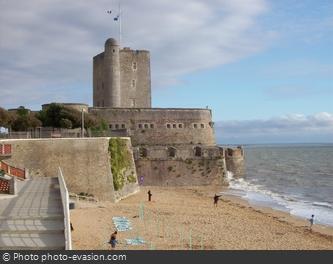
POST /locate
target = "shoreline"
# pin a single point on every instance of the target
(185, 218)
(283, 215)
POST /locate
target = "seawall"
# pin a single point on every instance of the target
(86, 163)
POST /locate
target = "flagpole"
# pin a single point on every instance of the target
(120, 20)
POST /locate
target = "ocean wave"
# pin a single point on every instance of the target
(257, 194)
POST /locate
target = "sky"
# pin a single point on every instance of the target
(264, 67)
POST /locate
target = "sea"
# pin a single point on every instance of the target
(294, 178)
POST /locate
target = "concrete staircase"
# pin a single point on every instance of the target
(33, 219)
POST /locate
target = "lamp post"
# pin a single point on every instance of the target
(82, 123)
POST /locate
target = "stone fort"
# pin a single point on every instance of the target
(172, 146)
(161, 146)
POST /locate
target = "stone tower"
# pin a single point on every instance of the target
(121, 77)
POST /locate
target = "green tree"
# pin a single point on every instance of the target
(66, 123)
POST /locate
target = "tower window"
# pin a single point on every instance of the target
(123, 126)
(133, 83)
(171, 152)
(146, 125)
(110, 126)
(134, 66)
(195, 125)
(202, 126)
(197, 152)
(117, 126)
(140, 125)
(168, 126)
(151, 125)
(180, 125)
(174, 126)
(143, 152)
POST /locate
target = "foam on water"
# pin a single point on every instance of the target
(257, 194)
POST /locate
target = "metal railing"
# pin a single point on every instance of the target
(65, 205)
(13, 171)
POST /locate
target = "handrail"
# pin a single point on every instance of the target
(65, 205)
(5, 149)
(13, 171)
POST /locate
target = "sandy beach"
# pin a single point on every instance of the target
(185, 218)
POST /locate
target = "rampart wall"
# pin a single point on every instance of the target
(158, 126)
(181, 165)
(85, 163)
(235, 160)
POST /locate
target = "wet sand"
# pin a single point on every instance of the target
(185, 218)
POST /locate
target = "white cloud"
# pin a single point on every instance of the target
(46, 47)
(293, 127)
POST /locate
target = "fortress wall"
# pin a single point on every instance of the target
(135, 67)
(235, 160)
(181, 152)
(185, 168)
(85, 163)
(191, 172)
(154, 123)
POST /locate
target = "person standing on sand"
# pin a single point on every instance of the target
(149, 195)
(311, 220)
(216, 199)
(113, 240)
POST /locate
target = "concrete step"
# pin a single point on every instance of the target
(33, 217)
(32, 241)
(33, 212)
(39, 226)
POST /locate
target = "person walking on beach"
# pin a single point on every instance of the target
(216, 199)
(113, 240)
(311, 220)
(149, 195)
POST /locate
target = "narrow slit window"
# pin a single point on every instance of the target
(134, 66)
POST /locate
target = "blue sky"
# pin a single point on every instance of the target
(255, 63)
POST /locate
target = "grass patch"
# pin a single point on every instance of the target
(120, 159)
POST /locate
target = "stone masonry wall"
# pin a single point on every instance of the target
(135, 78)
(191, 172)
(85, 163)
(158, 126)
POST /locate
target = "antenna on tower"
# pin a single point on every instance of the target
(118, 18)
(120, 22)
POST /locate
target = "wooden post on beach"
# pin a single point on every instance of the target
(141, 211)
(157, 226)
(151, 246)
(163, 229)
(190, 242)
(181, 238)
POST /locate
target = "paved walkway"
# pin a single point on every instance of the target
(33, 219)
